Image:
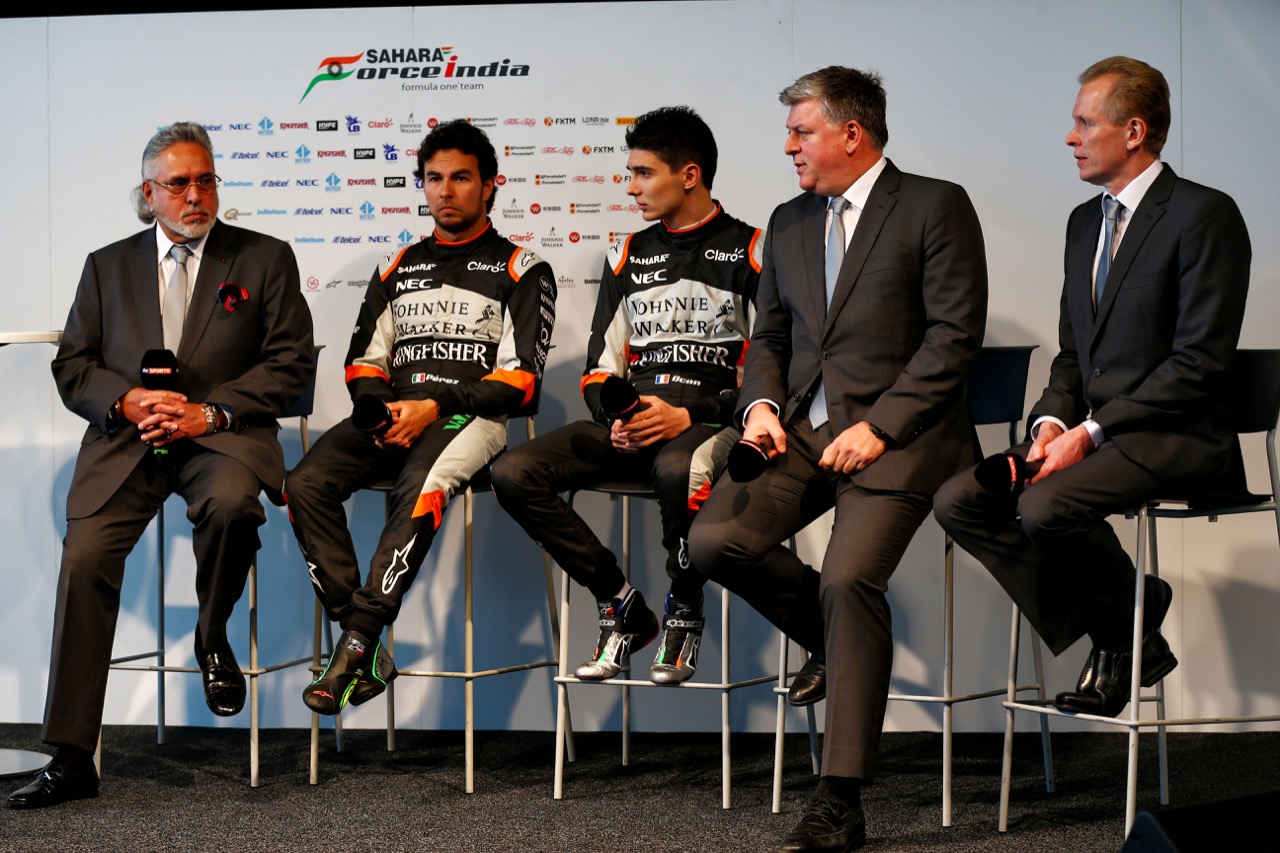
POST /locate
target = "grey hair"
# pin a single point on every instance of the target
(182, 131)
(846, 94)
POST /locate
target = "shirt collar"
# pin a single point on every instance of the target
(1131, 195)
(860, 190)
(164, 244)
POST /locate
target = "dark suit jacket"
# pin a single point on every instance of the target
(903, 328)
(256, 360)
(1148, 366)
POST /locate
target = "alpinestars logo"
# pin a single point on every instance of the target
(315, 581)
(394, 571)
(335, 68)
(411, 63)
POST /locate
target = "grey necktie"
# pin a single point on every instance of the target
(1110, 232)
(834, 258)
(174, 312)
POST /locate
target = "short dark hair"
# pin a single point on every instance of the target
(846, 94)
(678, 135)
(461, 135)
(1140, 92)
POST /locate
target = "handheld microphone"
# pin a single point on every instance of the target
(747, 460)
(618, 398)
(1006, 473)
(160, 372)
(370, 415)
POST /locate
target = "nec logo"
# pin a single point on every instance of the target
(327, 124)
(308, 182)
(649, 277)
(378, 238)
(340, 211)
(277, 155)
(363, 154)
(240, 125)
(393, 182)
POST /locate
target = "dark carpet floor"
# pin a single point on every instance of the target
(193, 793)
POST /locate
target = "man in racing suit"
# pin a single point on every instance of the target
(673, 316)
(451, 339)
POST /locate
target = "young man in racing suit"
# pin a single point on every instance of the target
(451, 339)
(673, 316)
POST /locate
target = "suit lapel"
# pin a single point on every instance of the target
(871, 221)
(1143, 220)
(813, 237)
(144, 289)
(215, 269)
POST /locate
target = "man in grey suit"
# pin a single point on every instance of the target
(871, 309)
(225, 305)
(1157, 271)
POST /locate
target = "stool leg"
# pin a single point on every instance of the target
(626, 572)
(1011, 695)
(1162, 740)
(948, 648)
(780, 727)
(725, 757)
(555, 644)
(315, 718)
(253, 674)
(1046, 747)
(160, 549)
(1135, 682)
(469, 646)
(562, 692)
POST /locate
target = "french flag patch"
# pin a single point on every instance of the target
(662, 379)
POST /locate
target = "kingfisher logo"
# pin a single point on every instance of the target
(410, 64)
(389, 152)
(367, 211)
(265, 127)
(304, 155)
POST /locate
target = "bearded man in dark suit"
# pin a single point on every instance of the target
(226, 302)
(1157, 271)
(871, 309)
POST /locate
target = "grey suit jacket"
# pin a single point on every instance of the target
(905, 324)
(256, 360)
(1148, 366)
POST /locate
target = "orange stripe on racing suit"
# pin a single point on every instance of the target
(430, 503)
(521, 379)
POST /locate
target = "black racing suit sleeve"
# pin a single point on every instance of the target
(368, 363)
(607, 348)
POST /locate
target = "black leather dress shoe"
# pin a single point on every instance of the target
(810, 683)
(224, 689)
(830, 824)
(1158, 595)
(69, 776)
(1105, 679)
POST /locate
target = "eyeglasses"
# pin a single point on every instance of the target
(179, 186)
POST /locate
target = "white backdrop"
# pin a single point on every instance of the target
(979, 93)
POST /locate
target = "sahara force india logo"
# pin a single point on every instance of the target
(412, 63)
